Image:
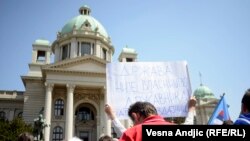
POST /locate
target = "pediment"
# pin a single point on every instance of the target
(89, 64)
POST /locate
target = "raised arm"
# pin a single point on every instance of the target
(191, 112)
(119, 128)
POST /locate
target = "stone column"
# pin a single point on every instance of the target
(73, 51)
(47, 59)
(69, 112)
(57, 53)
(107, 125)
(98, 48)
(11, 114)
(34, 56)
(47, 110)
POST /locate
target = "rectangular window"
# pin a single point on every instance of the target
(65, 52)
(59, 107)
(129, 60)
(85, 48)
(69, 50)
(40, 56)
(93, 49)
(2, 115)
(104, 54)
(78, 48)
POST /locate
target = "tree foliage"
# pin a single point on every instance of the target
(9, 130)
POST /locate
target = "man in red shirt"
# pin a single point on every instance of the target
(141, 113)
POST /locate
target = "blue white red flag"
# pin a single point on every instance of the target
(220, 113)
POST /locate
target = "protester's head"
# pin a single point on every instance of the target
(26, 136)
(245, 107)
(105, 138)
(141, 110)
(228, 122)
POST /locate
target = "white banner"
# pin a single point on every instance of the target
(164, 84)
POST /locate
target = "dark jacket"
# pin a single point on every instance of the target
(244, 119)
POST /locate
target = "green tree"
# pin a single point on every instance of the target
(9, 130)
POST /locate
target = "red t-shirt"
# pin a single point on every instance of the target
(135, 133)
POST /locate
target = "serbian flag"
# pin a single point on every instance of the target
(220, 113)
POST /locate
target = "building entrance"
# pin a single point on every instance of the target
(85, 122)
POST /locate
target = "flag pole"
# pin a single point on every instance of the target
(216, 108)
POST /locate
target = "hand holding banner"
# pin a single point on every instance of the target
(164, 84)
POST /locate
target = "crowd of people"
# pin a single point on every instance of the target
(145, 113)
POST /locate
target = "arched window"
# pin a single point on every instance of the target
(2, 115)
(84, 113)
(59, 107)
(57, 134)
(20, 114)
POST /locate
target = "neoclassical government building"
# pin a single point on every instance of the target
(71, 91)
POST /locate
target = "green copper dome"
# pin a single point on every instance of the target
(84, 21)
(203, 92)
(41, 42)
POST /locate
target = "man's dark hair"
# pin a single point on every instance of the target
(145, 109)
(105, 137)
(246, 100)
(228, 122)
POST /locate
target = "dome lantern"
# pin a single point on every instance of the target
(84, 10)
(84, 21)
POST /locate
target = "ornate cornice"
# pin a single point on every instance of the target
(93, 95)
(82, 34)
(83, 73)
(87, 91)
(31, 78)
(87, 123)
(59, 93)
(75, 61)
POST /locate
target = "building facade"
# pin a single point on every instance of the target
(72, 89)
(11, 104)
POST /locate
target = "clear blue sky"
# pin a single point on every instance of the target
(213, 36)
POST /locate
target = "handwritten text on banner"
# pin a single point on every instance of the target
(164, 84)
